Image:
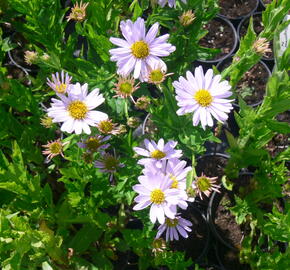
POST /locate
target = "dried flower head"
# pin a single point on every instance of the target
(108, 163)
(125, 87)
(142, 103)
(187, 18)
(157, 74)
(108, 127)
(78, 12)
(87, 157)
(53, 148)
(158, 245)
(95, 143)
(46, 121)
(262, 46)
(30, 57)
(205, 185)
(133, 122)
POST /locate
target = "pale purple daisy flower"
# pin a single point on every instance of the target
(173, 227)
(204, 95)
(76, 109)
(60, 83)
(155, 190)
(176, 170)
(95, 143)
(108, 163)
(171, 3)
(139, 51)
(156, 153)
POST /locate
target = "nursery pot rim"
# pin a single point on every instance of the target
(235, 37)
(240, 26)
(236, 105)
(242, 16)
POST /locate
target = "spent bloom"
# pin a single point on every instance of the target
(30, 57)
(60, 82)
(95, 143)
(108, 127)
(53, 148)
(46, 121)
(205, 185)
(139, 51)
(76, 109)
(142, 103)
(78, 12)
(155, 190)
(174, 227)
(108, 163)
(204, 95)
(171, 3)
(157, 152)
(157, 74)
(262, 46)
(125, 87)
(187, 18)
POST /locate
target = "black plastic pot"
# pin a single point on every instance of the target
(220, 68)
(268, 60)
(236, 20)
(262, 4)
(209, 63)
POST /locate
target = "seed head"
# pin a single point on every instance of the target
(133, 122)
(187, 18)
(78, 12)
(30, 57)
(262, 46)
(142, 103)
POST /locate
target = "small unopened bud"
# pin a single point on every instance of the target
(187, 18)
(133, 122)
(142, 103)
(262, 46)
(45, 57)
(78, 12)
(122, 129)
(46, 121)
(30, 57)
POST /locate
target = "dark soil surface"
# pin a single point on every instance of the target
(199, 235)
(258, 27)
(253, 82)
(220, 36)
(235, 8)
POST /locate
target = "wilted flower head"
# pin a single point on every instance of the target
(46, 121)
(30, 57)
(262, 46)
(204, 95)
(60, 82)
(155, 190)
(138, 51)
(53, 148)
(125, 87)
(156, 153)
(88, 157)
(174, 227)
(157, 74)
(108, 163)
(205, 185)
(95, 143)
(108, 127)
(78, 12)
(142, 103)
(76, 109)
(171, 3)
(187, 18)
(133, 122)
(158, 245)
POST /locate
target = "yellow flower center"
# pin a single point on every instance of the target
(171, 222)
(157, 154)
(156, 76)
(157, 196)
(203, 97)
(61, 88)
(55, 148)
(111, 163)
(126, 88)
(140, 49)
(77, 109)
(93, 144)
(105, 126)
(203, 183)
(175, 181)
